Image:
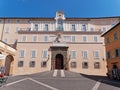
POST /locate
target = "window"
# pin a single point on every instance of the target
(104, 29)
(84, 38)
(67, 38)
(8, 21)
(18, 21)
(96, 54)
(5, 40)
(45, 38)
(34, 38)
(91, 29)
(7, 30)
(95, 38)
(73, 27)
(107, 40)
(20, 63)
(17, 29)
(84, 54)
(108, 55)
(73, 65)
(33, 54)
(32, 64)
(73, 38)
(73, 54)
(85, 65)
(97, 65)
(44, 53)
(35, 27)
(22, 53)
(28, 21)
(115, 36)
(60, 25)
(46, 27)
(24, 38)
(84, 27)
(0, 21)
(43, 64)
(117, 52)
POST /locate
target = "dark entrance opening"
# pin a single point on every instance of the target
(59, 61)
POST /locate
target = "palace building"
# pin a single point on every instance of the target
(60, 42)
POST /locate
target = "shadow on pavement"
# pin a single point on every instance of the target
(104, 80)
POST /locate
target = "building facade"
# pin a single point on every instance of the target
(112, 46)
(45, 44)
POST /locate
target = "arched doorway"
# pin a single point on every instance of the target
(59, 63)
(8, 62)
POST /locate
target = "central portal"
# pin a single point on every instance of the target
(59, 61)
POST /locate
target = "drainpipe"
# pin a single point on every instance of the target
(2, 29)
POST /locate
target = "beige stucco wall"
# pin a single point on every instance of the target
(78, 45)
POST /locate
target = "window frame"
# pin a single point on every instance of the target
(32, 64)
(20, 63)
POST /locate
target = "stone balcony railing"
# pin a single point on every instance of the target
(59, 44)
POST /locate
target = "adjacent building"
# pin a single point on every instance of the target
(45, 44)
(112, 46)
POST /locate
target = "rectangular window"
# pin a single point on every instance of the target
(73, 27)
(84, 54)
(17, 29)
(85, 65)
(32, 64)
(73, 39)
(33, 53)
(22, 53)
(84, 38)
(18, 21)
(95, 38)
(20, 63)
(67, 38)
(34, 38)
(91, 29)
(84, 27)
(73, 65)
(5, 40)
(115, 36)
(35, 27)
(45, 38)
(104, 29)
(7, 30)
(108, 55)
(0, 21)
(46, 27)
(117, 52)
(96, 54)
(8, 21)
(97, 65)
(73, 54)
(24, 38)
(45, 54)
(43, 64)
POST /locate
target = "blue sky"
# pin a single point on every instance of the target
(71, 8)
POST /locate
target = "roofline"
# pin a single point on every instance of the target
(54, 17)
(110, 29)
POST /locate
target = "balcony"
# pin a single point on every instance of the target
(59, 29)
